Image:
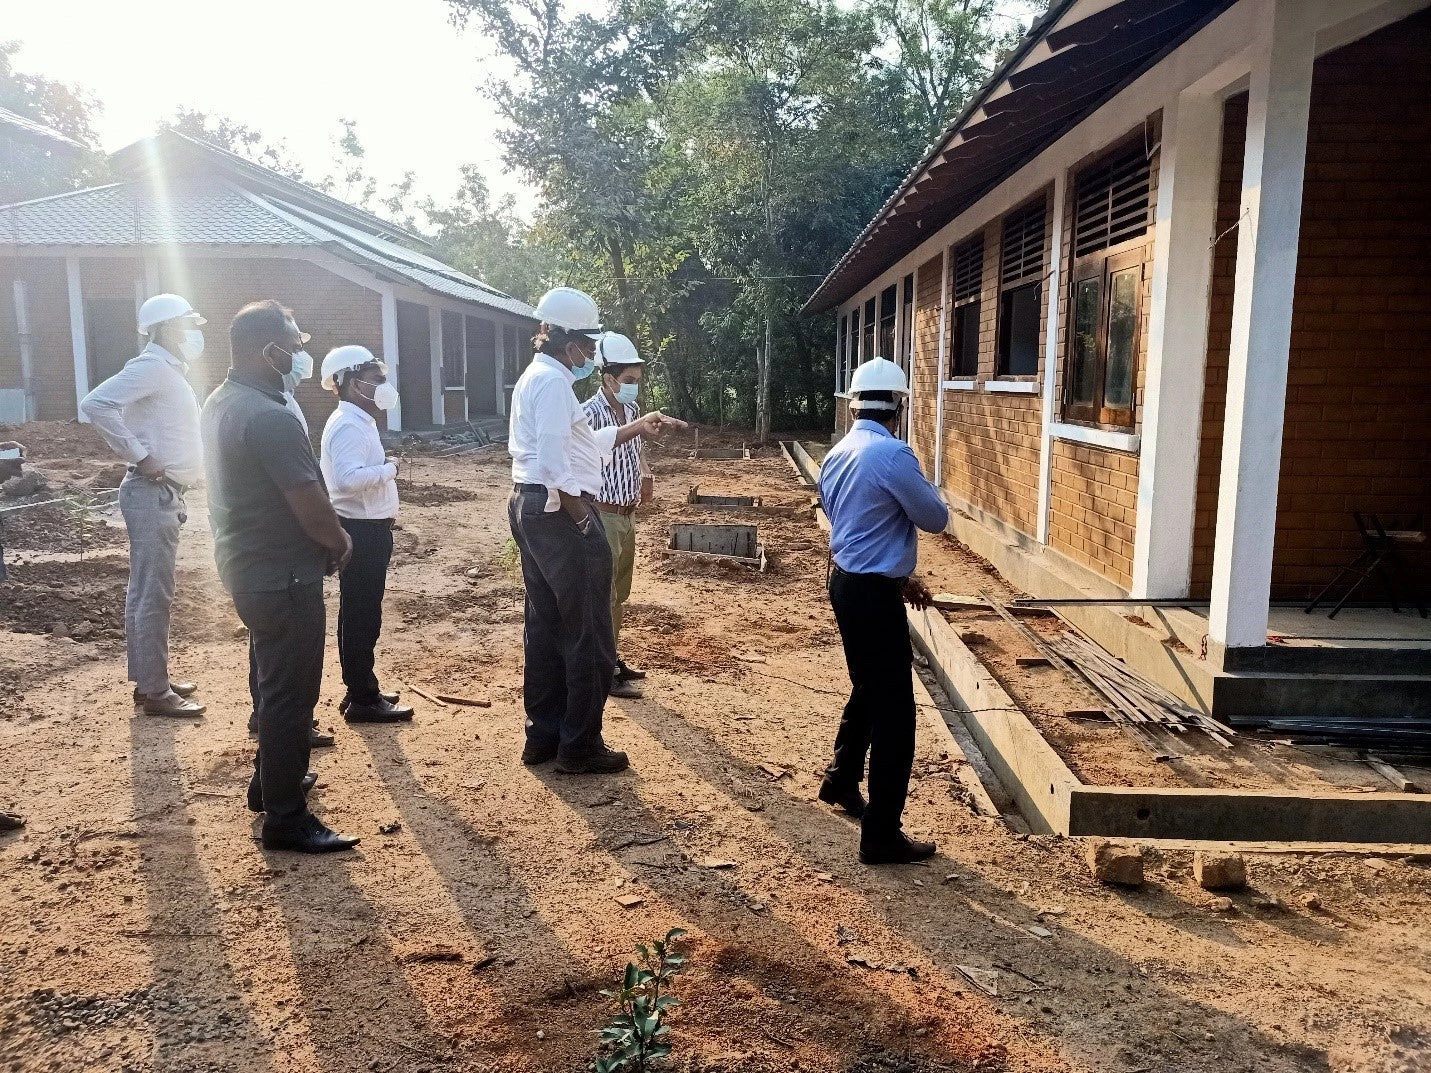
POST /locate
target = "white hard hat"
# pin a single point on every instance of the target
(342, 358)
(878, 374)
(569, 308)
(164, 307)
(613, 348)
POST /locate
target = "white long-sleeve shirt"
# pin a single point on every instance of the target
(550, 440)
(362, 483)
(291, 404)
(149, 408)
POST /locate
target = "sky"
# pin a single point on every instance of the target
(290, 68)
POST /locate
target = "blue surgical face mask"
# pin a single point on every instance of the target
(581, 372)
(627, 392)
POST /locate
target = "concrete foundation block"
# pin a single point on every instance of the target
(1219, 871)
(1115, 862)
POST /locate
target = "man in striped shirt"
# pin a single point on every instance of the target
(626, 481)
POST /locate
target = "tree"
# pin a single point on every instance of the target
(489, 241)
(31, 171)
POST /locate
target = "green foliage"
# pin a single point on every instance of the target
(237, 138)
(637, 1034)
(30, 171)
(701, 165)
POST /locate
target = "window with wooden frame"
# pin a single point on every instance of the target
(1021, 289)
(842, 354)
(906, 324)
(867, 349)
(853, 357)
(888, 316)
(1111, 209)
(966, 281)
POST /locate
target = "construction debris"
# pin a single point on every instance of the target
(1219, 871)
(468, 702)
(1115, 863)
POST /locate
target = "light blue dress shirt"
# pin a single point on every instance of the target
(875, 495)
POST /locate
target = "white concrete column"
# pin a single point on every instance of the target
(1054, 290)
(913, 359)
(21, 292)
(78, 345)
(940, 358)
(466, 402)
(1185, 218)
(499, 363)
(434, 365)
(391, 356)
(1278, 105)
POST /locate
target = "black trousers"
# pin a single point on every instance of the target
(568, 640)
(878, 721)
(360, 604)
(286, 632)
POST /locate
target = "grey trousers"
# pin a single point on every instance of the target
(568, 640)
(152, 513)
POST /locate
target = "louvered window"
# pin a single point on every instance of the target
(842, 354)
(967, 282)
(1022, 254)
(1111, 209)
(1111, 201)
(868, 350)
(888, 316)
(906, 323)
(1021, 289)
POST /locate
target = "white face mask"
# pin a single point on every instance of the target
(384, 396)
(191, 344)
(302, 364)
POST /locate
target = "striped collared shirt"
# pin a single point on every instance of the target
(621, 476)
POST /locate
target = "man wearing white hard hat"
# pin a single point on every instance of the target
(362, 483)
(626, 482)
(876, 496)
(149, 416)
(570, 650)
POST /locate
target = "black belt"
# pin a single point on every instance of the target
(870, 577)
(166, 481)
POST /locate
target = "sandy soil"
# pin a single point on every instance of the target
(146, 930)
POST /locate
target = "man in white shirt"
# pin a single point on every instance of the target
(362, 483)
(566, 562)
(149, 416)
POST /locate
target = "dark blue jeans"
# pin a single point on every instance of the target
(569, 644)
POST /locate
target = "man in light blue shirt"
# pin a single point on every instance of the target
(876, 496)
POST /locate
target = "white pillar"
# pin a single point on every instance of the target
(1185, 218)
(27, 348)
(466, 402)
(913, 358)
(78, 345)
(391, 356)
(1050, 356)
(940, 354)
(499, 363)
(434, 365)
(1278, 105)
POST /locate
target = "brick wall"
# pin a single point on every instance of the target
(923, 419)
(49, 307)
(1358, 418)
(1092, 506)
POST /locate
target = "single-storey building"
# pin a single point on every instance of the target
(192, 218)
(1164, 290)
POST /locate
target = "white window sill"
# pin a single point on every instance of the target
(1012, 387)
(842, 395)
(961, 385)
(1129, 442)
(462, 389)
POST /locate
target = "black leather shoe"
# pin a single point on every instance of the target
(390, 697)
(628, 674)
(381, 710)
(603, 761)
(848, 798)
(255, 791)
(308, 835)
(898, 850)
(533, 755)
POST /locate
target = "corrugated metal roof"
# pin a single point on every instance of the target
(218, 214)
(37, 132)
(128, 214)
(1073, 59)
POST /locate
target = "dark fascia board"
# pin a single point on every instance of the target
(136, 160)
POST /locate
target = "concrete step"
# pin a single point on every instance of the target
(1250, 698)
